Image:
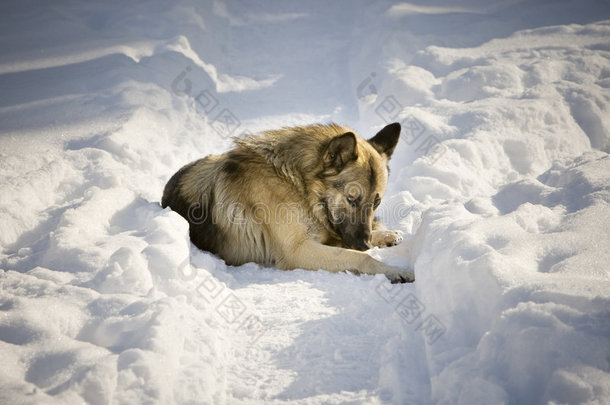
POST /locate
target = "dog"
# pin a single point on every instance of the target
(300, 197)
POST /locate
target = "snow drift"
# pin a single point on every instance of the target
(500, 187)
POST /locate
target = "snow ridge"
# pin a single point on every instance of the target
(500, 186)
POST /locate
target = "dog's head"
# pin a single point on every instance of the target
(355, 176)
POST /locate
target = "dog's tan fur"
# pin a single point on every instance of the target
(301, 197)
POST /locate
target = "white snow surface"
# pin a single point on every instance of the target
(500, 186)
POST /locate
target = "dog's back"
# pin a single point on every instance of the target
(231, 200)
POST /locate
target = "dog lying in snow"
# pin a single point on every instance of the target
(301, 197)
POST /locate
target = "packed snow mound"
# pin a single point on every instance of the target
(500, 186)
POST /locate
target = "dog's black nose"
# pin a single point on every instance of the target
(362, 245)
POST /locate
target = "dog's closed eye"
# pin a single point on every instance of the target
(352, 200)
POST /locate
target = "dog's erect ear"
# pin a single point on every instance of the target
(341, 150)
(385, 141)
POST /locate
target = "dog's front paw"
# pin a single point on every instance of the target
(400, 277)
(385, 238)
(394, 274)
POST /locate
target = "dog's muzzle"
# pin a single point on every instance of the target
(361, 241)
(362, 245)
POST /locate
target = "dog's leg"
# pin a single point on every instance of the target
(311, 255)
(382, 236)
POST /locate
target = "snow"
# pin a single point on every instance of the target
(500, 187)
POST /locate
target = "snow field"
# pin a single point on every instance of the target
(500, 187)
